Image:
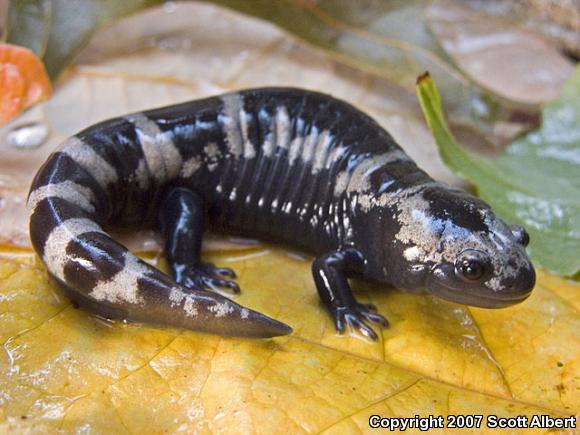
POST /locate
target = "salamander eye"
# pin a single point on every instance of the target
(472, 265)
(520, 235)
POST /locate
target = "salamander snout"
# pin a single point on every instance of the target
(517, 280)
(479, 279)
(522, 283)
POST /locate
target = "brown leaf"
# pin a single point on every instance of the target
(502, 58)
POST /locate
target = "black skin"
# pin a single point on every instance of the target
(269, 198)
(299, 168)
(181, 218)
(331, 272)
(184, 205)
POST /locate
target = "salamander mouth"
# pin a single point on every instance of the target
(478, 299)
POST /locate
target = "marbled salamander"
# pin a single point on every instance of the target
(279, 164)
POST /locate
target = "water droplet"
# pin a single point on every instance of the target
(28, 136)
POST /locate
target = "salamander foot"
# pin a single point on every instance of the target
(354, 317)
(207, 276)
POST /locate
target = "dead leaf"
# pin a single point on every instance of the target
(388, 39)
(508, 61)
(436, 358)
(558, 22)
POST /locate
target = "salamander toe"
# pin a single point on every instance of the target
(356, 317)
(208, 277)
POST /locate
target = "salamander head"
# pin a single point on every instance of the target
(468, 255)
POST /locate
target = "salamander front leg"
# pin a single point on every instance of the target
(330, 276)
(181, 218)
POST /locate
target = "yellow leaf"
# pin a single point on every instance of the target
(65, 369)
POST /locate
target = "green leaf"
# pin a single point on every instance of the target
(535, 182)
(58, 29)
(29, 24)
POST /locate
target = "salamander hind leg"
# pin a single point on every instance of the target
(181, 217)
(330, 276)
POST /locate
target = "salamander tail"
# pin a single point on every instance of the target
(100, 274)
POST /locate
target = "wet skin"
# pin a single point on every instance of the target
(280, 164)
